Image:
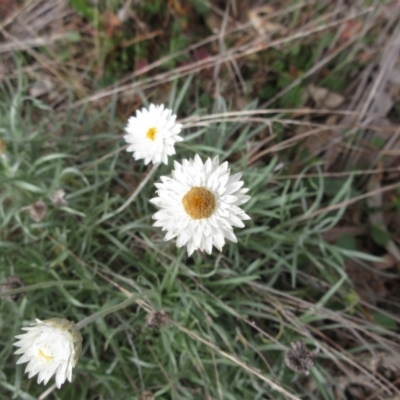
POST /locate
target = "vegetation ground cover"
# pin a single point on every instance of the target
(302, 98)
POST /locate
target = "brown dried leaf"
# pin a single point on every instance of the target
(146, 396)
(41, 87)
(58, 198)
(388, 262)
(351, 29)
(178, 7)
(11, 283)
(328, 141)
(240, 102)
(368, 285)
(111, 23)
(324, 98)
(383, 103)
(337, 232)
(37, 211)
(213, 22)
(259, 18)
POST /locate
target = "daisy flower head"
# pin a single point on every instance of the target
(199, 205)
(50, 347)
(152, 134)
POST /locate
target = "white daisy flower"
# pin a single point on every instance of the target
(152, 134)
(50, 347)
(200, 204)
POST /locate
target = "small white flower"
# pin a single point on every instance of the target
(50, 347)
(200, 204)
(152, 134)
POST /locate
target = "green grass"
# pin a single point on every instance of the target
(233, 313)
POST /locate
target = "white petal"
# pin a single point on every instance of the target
(209, 243)
(157, 148)
(200, 234)
(233, 187)
(235, 221)
(230, 236)
(218, 238)
(50, 348)
(190, 248)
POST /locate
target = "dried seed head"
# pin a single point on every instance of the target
(58, 198)
(11, 283)
(146, 396)
(37, 211)
(299, 358)
(157, 319)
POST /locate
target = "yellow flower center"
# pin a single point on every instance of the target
(199, 203)
(151, 133)
(44, 355)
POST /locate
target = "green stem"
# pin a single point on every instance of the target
(103, 313)
(133, 196)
